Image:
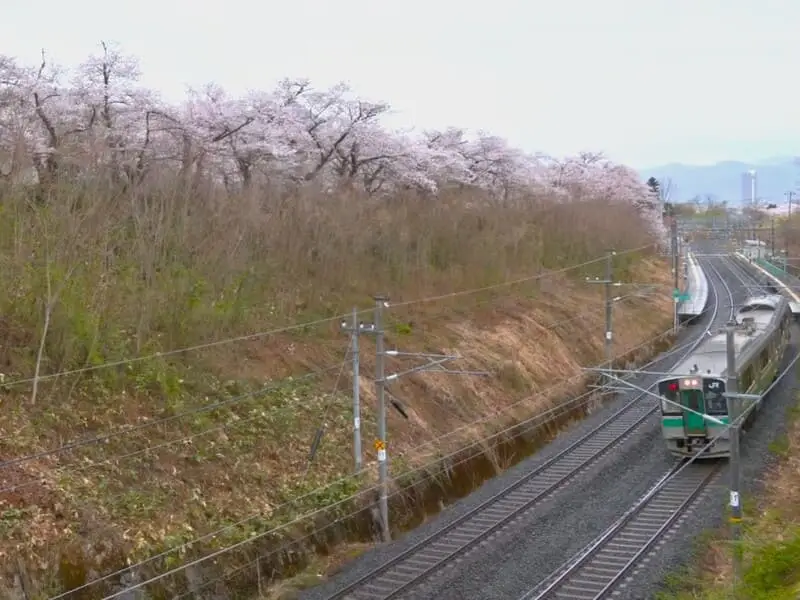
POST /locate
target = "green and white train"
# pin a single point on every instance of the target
(698, 383)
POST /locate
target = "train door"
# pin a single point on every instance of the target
(693, 424)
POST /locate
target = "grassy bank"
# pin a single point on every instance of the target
(174, 446)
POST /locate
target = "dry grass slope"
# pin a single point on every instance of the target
(96, 274)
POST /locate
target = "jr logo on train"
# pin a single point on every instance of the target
(697, 386)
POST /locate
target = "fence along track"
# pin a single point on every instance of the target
(430, 554)
(592, 575)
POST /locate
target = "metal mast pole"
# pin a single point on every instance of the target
(380, 388)
(675, 263)
(732, 387)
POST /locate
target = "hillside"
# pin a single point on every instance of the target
(723, 180)
(170, 343)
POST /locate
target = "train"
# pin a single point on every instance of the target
(698, 382)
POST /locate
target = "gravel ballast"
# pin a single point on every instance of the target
(537, 543)
(677, 552)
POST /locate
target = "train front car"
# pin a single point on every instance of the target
(684, 402)
(693, 406)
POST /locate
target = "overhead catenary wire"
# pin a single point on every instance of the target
(295, 540)
(517, 281)
(185, 350)
(572, 318)
(324, 423)
(136, 428)
(152, 448)
(127, 431)
(553, 413)
(547, 391)
(301, 518)
(302, 325)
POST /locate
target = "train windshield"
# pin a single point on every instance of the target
(669, 390)
(714, 390)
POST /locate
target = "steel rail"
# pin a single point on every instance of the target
(441, 547)
(602, 564)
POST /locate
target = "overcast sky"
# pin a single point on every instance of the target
(647, 81)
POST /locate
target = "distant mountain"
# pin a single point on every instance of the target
(724, 180)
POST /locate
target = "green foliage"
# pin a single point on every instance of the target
(403, 328)
(779, 446)
(774, 571)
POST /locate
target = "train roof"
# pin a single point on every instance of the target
(766, 302)
(754, 318)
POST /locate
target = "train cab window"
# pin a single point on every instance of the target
(716, 404)
(669, 390)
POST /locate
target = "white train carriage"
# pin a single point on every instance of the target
(698, 383)
(696, 289)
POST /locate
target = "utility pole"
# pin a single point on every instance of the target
(355, 329)
(675, 263)
(609, 306)
(434, 362)
(734, 403)
(380, 444)
(772, 235)
(789, 195)
(609, 342)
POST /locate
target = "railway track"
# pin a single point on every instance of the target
(602, 565)
(594, 572)
(431, 554)
(747, 279)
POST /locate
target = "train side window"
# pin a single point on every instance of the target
(746, 379)
(716, 404)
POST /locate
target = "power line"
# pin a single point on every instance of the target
(449, 295)
(296, 326)
(306, 516)
(321, 429)
(516, 281)
(551, 414)
(127, 361)
(148, 449)
(111, 435)
(132, 429)
(548, 390)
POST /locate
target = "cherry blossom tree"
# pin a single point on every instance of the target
(100, 117)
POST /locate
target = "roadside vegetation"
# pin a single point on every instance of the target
(157, 228)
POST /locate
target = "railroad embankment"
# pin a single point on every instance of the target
(120, 460)
(770, 542)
